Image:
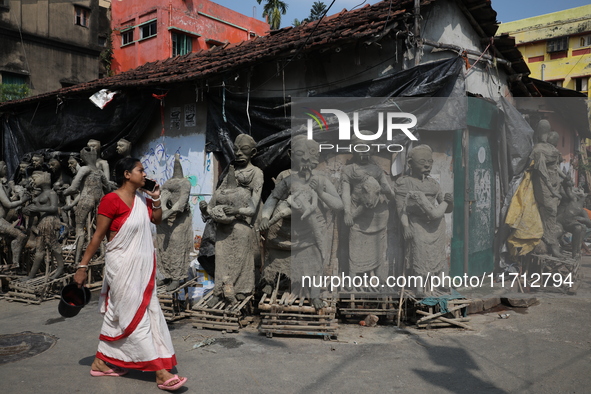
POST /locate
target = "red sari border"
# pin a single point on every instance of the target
(152, 365)
(139, 314)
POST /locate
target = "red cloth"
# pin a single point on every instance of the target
(113, 207)
(588, 212)
(152, 365)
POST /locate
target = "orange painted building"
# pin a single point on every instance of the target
(149, 30)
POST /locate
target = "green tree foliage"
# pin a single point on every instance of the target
(9, 91)
(272, 10)
(318, 9)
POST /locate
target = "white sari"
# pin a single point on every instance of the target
(134, 332)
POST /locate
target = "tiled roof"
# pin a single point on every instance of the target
(367, 23)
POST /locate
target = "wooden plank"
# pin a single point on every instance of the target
(289, 332)
(219, 326)
(429, 316)
(455, 322)
(264, 314)
(444, 319)
(217, 312)
(243, 303)
(28, 301)
(300, 329)
(23, 295)
(283, 298)
(366, 311)
(263, 298)
(299, 323)
(201, 315)
(437, 320)
(292, 308)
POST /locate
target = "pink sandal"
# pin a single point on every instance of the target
(167, 387)
(115, 371)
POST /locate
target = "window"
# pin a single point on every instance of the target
(557, 45)
(585, 41)
(81, 17)
(582, 84)
(126, 37)
(148, 30)
(214, 43)
(13, 87)
(181, 44)
(557, 82)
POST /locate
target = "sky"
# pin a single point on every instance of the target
(507, 10)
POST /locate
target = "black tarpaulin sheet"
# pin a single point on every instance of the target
(68, 127)
(269, 119)
(519, 137)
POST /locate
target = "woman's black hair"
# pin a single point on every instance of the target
(125, 164)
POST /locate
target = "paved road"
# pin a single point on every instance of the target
(544, 349)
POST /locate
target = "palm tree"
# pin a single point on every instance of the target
(318, 9)
(272, 10)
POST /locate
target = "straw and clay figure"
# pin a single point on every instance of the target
(175, 233)
(234, 207)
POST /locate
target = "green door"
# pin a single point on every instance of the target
(481, 200)
(474, 192)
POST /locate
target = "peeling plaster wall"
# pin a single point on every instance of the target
(40, 39)
(445, 23)
(184, 133)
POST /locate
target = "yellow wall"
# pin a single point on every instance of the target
(531, 35)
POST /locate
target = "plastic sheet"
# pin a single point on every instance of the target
(67, 126)
(271, 117)
(519, 137)
(523, 217)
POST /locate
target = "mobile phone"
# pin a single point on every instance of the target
(150, 185)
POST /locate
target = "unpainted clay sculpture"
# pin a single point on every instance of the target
(547, 179)
(421, 206)
(573, 217)
(7, 230)
(175, 233)
(308, 251)
(91, 183)
(233, 207)
(46, 205)
(101, 164)
(364, 191)
(123, 148)
(277, 243)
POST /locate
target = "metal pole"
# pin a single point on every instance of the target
(467, 202)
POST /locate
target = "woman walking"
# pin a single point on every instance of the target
(134, 333)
